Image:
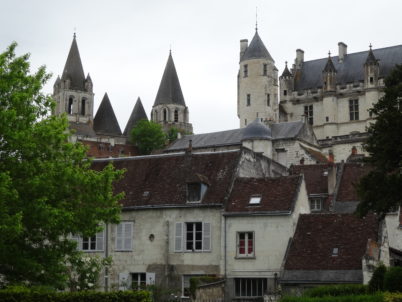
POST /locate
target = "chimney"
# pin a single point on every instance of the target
(299, 58)
(354, 150)
(332, 169)
(342, 51)
(190, 147)
(331, 157)
(243, 47)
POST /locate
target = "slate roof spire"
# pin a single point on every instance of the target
(105, 121)
(286, 72)
(169, 91)
(73, 70)
(329, 67)
(137, 114)
(256, 49)
(371, 59)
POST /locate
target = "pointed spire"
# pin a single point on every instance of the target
(256, 50)
(169, 89)
(88, 79)
(329, 67)
(73, 69)
(371, 59)
(105, 121)
(57, 81)
(286, 72)
(137, 114)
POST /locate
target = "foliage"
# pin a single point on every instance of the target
(336, 290)
(377, 280)
(195, 282)
(393, 279)
(47, 187)
(351, 298)
(148, 136)
(381, 190)
(172, 134)
(393, 297)
(24, 295)
(85, 271)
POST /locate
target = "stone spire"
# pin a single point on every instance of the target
(73, 70)
(329, 67)
(137, 114)
(105, 121)
(169, 89)
(371, 59)
(256, 50)
(286, 72)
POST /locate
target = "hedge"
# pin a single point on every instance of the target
(90, 296)
(351, 298)
(336, 290)
(392, 297)
(393, 279)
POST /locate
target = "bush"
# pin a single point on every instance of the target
(358, 298)
(23, 295)
(393, 279)
(336, 290)
(377, 280)
(392, 297)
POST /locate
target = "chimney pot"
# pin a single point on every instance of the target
(342, 51)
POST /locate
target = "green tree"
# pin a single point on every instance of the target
(47, 187)
(148, 136)
(381, 190)
(172, 134)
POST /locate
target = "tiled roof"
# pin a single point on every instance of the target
(277, 194)
(73, 69)
(352, 172)
(317, 235)
(106, 150)
(317, 155)
(315, 177)
(82, 129)
(256, 50)
(105, 121)
(162, 180)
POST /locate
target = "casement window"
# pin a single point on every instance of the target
(193, 237)
(137, 280)
(265, 69)
(308, 113)
(90, 244)
(248, 100)
(268, 99)
(196, 191)
(176, 116)
(250, 287)
(165, 115)
(124, 236)
(315, 204)
(245, 70)
(354, 109)
(245, 244)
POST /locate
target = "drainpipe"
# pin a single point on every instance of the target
(224, 257)
(107, 255)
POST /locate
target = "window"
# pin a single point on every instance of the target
(138, 281)
(327, 119)
(335, 251)
(308, 113)
(176, 116)
(192, 236)
(245, 70)
(195, 192)
(245, 122)
(255, 200)
(265, 69)
(315, 204)
(268, 99)
(354, 109)
(285, 92)
(165, 115)
(156, 115)
(371, 80)
(92, 243)
(124, 236)
(245, 244)
(250, 287)
(248, 100)
(70, 106)
(83, 101)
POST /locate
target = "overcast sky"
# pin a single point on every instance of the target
(124, 45)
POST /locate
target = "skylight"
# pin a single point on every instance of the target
(255, 200)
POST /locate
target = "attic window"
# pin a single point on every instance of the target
(196, 191)
(255, 200)
(335, 251)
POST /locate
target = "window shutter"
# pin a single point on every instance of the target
(206, 237)
(150, 279)
(124, 281)
(99, 241)
(119, 237)
(77, 239)
(128, 233)
(178, 243)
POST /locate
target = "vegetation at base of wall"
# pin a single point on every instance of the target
(24, 295)
(351, 298)
(392, 297)
(393, 279)
(196, 281)
(377, 280)
(336, 290)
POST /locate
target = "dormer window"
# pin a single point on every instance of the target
(196, 191)
(255, 200)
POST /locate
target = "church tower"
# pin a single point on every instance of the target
(257, 83)
(73, 91)
(169, 108)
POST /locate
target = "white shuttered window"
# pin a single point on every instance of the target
(192, 237)
(124, 236)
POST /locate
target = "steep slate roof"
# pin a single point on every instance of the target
(169, 89)
(351, 69)
(286, 72)
(318, 234)
(278, 195)
(137, 114)
(256, 50)
(316, 180)
(82, 129)
(73, 69)
(165, 177)
(352, 172)
(279, 131)
(105, 121)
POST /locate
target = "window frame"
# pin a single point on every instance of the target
(124, 236)
(245, 70)
(309, 113)
(140, 284)
(99, 242)
(316, 201)
(265, 69)
(268, 98)
(354, 109)
(202, 191)
(241, 287)
(181, 237)
(248, 99)
(246, 247)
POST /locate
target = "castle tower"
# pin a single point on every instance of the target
(257, 88)
(73, 92)
(137, 115)
(170, 109)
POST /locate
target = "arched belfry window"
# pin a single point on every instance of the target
(83, 103)
(70, 105)
(176, 116)
(164, 115)
(156, 115)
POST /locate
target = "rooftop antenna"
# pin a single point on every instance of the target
(256, 18)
